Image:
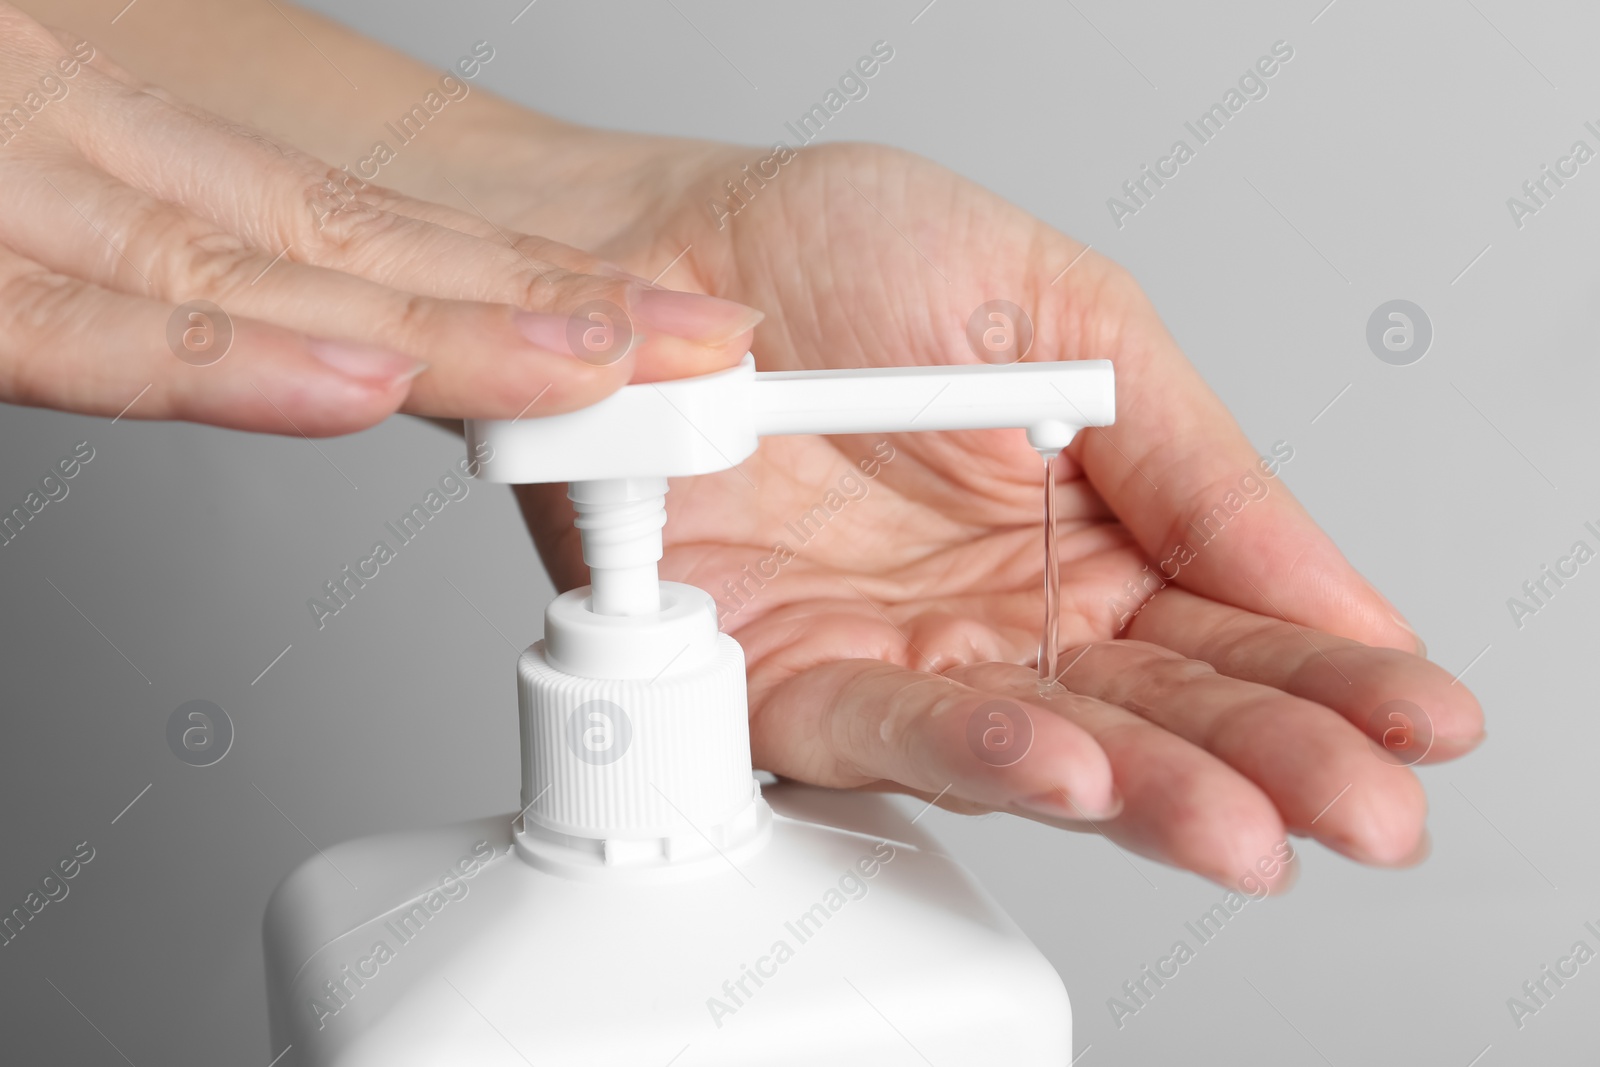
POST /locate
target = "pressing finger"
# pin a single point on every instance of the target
(484, 360)
(280, 200)
(73, 345)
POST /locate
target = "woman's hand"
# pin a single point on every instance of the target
(325, 303)
(1253, 693)
(888, 591)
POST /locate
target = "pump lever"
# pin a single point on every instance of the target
(713, 422)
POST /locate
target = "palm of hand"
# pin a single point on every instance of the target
(888, 589)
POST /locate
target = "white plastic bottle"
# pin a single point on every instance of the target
(652, 903)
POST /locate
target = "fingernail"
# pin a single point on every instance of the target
(1422, 649)
(1290, 874)
(692, 316)
(1060, 804)
(1447, 748)
(1279, 883)
(1423, 849)
(364, 361)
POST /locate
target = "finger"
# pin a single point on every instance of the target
(1178, 470)
(1319, 771)
(567, 293)
(853, 722)
(436, 250)
(1181, 805)
(1373, 688)
(68, 344)
(278, 199)
(84, 51)
(487, 360)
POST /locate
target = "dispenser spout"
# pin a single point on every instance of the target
(1056, 397)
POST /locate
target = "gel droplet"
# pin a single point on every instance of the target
(1049, 642)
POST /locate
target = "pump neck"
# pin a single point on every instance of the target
(619, 522)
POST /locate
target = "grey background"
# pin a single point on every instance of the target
(1381, 162)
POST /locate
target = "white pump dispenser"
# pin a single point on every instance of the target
(630, 644)
(648, 894)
